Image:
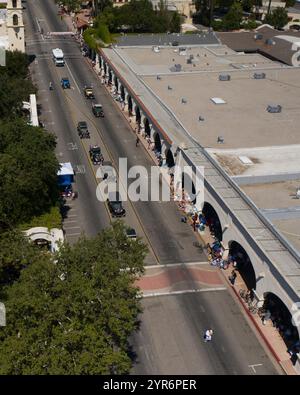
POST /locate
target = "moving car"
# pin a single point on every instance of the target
(82, 130)
(65, 83)
(97, 110)
(96, 155)
(115, 205)
(131, 233)
(88, 92)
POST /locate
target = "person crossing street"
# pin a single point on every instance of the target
(208, 335)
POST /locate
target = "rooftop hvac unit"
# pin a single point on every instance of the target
(189, 61)
(259, 76)
(224, 77)
(177, 67)
(274, 108)
(270, 41)
(258, 36)
(158, 77)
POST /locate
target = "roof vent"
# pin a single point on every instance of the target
(158, 77)
(220, 140)
(224, 77)
(259, 76)
(183, 100)
(169, 88)
(274, 108)
(270, 41)
(258, 36)
(201, 118)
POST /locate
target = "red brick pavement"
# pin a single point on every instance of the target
(170, 276)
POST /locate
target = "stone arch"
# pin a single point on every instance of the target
(212, 220)
(15, 20)
(116, 82)
(282, 319)
(109, 76)
(244, 264)
(130, 104)
(147, 127)
(137, 114)
(169, 158)
(157, 142)
(122, 92)
(188, 186)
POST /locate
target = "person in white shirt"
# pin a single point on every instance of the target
(208, 335)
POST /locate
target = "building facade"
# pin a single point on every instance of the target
(12, 32)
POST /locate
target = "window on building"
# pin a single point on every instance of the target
(14, 3)
(15, 20)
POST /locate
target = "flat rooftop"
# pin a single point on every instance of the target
(279, 204)
(243, 120)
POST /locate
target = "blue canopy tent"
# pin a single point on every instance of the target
(65, 175)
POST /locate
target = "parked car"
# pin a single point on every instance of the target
(88, 92)
(82, 130)
(65, 83)
(97, 110)
(96, 155)
(115, 205)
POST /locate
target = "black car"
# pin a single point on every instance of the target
(131, 233)
(82, 130)
(115, 205)
(97, 110)
(96, 155)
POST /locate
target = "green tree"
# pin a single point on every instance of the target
(15, 254)
(74, 314)
(28, 172)
(71, 5)
(277, 18)
(289, 3)
(233, 18)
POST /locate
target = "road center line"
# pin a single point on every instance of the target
(72, 77)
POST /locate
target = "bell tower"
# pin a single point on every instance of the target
(15, 25)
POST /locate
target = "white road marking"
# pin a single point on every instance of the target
(176, 264)
(71, 227)
(153, 294)
(253, 366)
(72, 146)
(68, 222)
(72, 77)
(72, 215)
(73, 234)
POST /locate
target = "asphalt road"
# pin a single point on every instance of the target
(170, 339)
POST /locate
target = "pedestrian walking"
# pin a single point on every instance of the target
(208, 335)
(137, 141)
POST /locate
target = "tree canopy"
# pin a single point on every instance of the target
(277, 18)
(15, 84)
(28, 172)
(73, 313)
